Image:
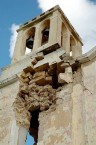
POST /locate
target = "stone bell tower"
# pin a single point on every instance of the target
(47, 92)
(61, 34)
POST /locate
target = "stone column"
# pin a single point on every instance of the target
(38, 38)
(55, 29)
(76, 50)
(66, 42)
(20, 46)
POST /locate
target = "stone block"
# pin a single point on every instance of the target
(39, 81)
(34, 61)
(38, 74)
(39, 56)
(49, 80)
(61, 66)
(28, 75)
(65, 78)
(72, 61)
(68, 70)
(24, 89)
(23, 75)
(29, 69)
(42, 67)
(64, 65)
(26, 80)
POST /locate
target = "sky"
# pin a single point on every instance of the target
(12, 14)
(81, 13)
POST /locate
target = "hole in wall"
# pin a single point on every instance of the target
(34, 125)
(55, 77)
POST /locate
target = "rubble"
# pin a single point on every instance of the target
(32, 95)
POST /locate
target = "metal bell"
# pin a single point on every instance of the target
(46, 32)
(29, 42)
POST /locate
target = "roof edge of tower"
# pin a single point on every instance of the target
(45, 14)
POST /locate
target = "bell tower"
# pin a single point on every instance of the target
(46, 90)
(54, 45)
(51, 30)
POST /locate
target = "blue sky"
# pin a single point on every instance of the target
(13, 12)
(81, 13)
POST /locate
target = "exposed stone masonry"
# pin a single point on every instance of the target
(37, 89)
(31, 97)
(38, 86)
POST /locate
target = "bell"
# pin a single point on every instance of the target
(29, 42)
(46, 32)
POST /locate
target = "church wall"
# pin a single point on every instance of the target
(8, 127)
(89, 80)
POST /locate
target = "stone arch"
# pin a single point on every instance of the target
(30, 33)
(45, 25)
(64, 28)
(63, 34)
(72, 44)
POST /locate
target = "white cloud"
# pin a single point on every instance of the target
(82, 15)
(13, 37)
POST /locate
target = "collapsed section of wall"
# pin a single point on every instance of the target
(47, 89)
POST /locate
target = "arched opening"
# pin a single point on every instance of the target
(34, 125)
(33, 130)
(45, 29)
(72, 44)
(30, 40)
(63, 34)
